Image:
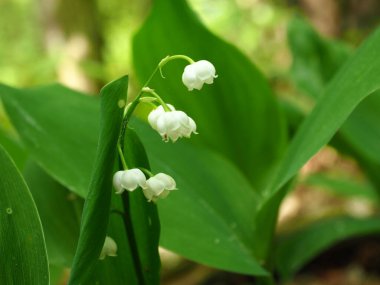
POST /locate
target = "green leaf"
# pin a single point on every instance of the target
(343, 186)
(225, 236)
(362, 129)
(119, 269)
(318, 59)
(142, 218)
(298, 248)
(53, 134)
(194, 219)
(315, 60)
(136, 232)
(60, 212)
(238, 115)
(98, 200)
(355, 81)
(8, 140)
(24, 257)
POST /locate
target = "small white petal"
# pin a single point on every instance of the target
(167, 180)
(116, 181)
(133, 178)
(192, 125)
(190, 78)
(156, 113)
(109, 248)
(205, 71)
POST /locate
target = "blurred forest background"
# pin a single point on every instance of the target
(85, 44)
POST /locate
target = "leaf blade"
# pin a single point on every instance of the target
(97, 206)
(21, 237)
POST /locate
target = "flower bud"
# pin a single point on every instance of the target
(109, 248)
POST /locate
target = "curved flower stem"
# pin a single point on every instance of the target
(121, 155)
(146, 171)
(173, 57)
(155, 95)
(130, 108)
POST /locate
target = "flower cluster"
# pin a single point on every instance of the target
(157, 186)
(172, 124)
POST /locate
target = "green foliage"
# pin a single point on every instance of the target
(355, 81)
(60, 213)
(344, 186)
(315, 60)
(237, 116)
(232, 177)
(142, 218)
(54, 135)
(191, 166)
(318, 59)
(98, 200)
(210, 218)
(298, 248)
(24, 257)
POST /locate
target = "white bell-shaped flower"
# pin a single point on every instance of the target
(116, 181)
(172, 124)
(109, 248)
(159, 186)
(128, 179)
(153, 115)
(198, 73)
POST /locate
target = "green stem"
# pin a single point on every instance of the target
(128, 224)
(130, 108)
(146, 171)
(173, 57)
(121, 155)
(159, 99)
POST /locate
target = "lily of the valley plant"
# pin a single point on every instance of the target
(171, 124)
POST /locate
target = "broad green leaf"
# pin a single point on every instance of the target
(298, 248)
(315, 60)
(119, 269)
(23, 251)
(138, 260)
(238, 115)
(194, 219)
(54, 135)
(98, 200)
(8, 141)
(356, 80)
(60, 212)
(197, 209)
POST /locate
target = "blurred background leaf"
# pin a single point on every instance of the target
(298, 248)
